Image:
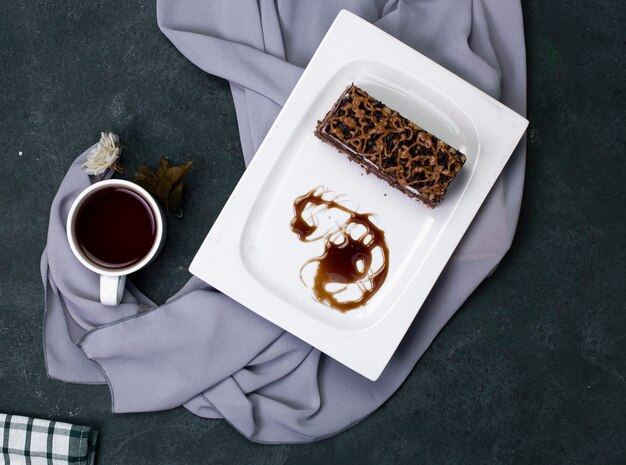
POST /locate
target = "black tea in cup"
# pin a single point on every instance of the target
(115, 227)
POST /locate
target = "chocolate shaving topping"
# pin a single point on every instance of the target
(391, 146)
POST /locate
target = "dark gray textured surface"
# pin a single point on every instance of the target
(531, 370)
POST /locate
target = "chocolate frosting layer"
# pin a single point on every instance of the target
(393, 147)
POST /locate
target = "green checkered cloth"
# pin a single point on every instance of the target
(31, 441)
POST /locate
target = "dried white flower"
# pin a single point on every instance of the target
(104, 155)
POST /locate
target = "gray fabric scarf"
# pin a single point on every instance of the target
(201, 349)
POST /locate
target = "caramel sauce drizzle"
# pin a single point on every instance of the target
(346, 260)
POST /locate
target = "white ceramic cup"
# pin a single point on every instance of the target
(112, 281)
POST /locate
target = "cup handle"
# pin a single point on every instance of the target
(111, 289)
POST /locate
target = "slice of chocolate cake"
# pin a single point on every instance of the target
(392, 147)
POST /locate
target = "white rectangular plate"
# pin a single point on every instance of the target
(252, 255)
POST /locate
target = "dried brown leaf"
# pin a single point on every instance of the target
(166, 184)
